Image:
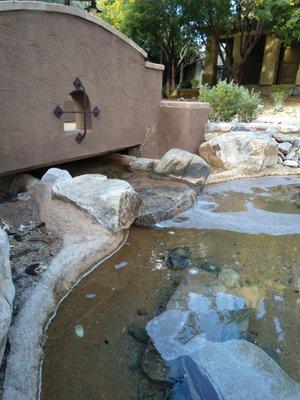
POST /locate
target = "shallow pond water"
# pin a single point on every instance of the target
(89, 354)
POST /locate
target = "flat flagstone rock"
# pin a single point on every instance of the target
(232, 370)
(286, 137)
(161, 199)
(112, 202)
(7, 291)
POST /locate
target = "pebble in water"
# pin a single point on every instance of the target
(90, 295)
(121, 264)
(79, 331)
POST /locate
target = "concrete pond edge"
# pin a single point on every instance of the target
(79, 256)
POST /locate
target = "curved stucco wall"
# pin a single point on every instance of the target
(43, 48)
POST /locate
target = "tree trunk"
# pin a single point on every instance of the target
(181, 75)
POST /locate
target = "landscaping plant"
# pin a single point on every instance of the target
(279, 94)
(229, 101)
(195, 83)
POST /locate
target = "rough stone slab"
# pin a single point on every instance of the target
(142, 164)
(286, 137)
(7, 291)
(182, 165)
(161, 199)
(291, 163)
(113, 203)
(239, 370)
(285, 147)
(285, 128)
(54, 175)
(247, 151)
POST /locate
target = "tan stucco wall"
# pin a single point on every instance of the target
(42, 50)
(181, 125)
(271, 56)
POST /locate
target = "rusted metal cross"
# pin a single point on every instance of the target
(58, 112)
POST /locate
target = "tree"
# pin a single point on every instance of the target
(159, 26)
(250, 18)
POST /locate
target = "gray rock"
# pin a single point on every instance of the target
(178, 258)
(247, 151)
(233, 370)
(285, 147)
(296, 143)
(240, 127)
(285, 128)
(210, 266)
(7, 291)
(142, 164)
(138, 332)
(184, 166)
(54, 175)
(154, 366)
(112, 202)
(291, 155)
(291, 163)
(285, 137)
(229, 277)
(196, 314)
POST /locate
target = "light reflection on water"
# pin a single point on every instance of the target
(102, 364)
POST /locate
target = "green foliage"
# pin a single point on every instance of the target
(229, 101)
(279, 94)
(249, 104)
(195, 83)
(186, 84)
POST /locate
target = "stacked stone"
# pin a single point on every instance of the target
(287, 139)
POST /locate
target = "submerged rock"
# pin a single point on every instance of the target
(7, 291)
(196, 314)
(178, 258)
(154, 366)
(210, 266)
(229, 277)
(112, 202)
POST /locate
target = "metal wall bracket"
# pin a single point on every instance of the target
(58, 111)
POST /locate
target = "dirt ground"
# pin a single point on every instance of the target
(32, 246)
(290, 111)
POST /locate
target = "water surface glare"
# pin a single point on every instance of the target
(103, 361)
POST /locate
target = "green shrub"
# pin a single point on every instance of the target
(229, 100)
(249, 104)
(279, 94)
(195, 83)
(186, 84)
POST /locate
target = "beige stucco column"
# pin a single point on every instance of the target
(298, 77)
(210, 61)
(270, 60)
(236, 51)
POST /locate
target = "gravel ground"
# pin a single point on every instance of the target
(32, 247)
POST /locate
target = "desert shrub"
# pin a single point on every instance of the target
(249, 104)
(279, 94)
(229, 100)
(195, 83)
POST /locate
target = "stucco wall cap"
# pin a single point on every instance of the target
(59, 8)
(184, 104)
(149, 64)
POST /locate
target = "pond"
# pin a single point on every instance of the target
(251, 226)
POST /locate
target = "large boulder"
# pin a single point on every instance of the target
(184, 166)
(232, 370)
(7, 291)
(112, 202)
(247, 151)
